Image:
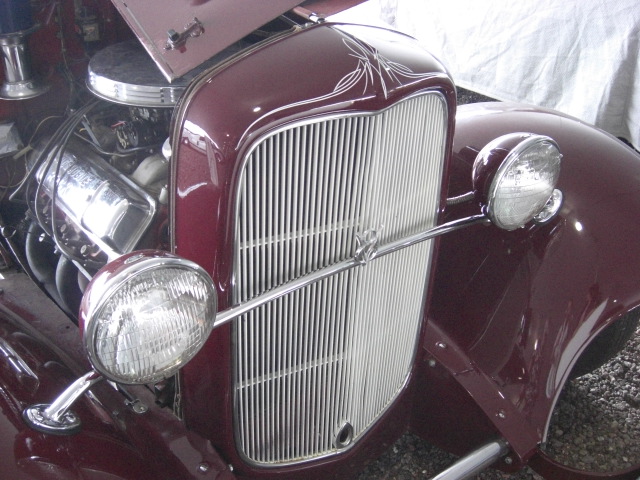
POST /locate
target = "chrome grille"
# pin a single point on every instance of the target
(339, 351)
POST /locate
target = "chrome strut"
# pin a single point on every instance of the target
(475, 462)
(57, 418)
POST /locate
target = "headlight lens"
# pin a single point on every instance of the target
(525, 179)
(146, 315)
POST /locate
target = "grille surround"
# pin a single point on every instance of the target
(266, 440)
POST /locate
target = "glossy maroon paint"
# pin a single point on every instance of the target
(509, 314)
(222, 116)
(114, 442)
(516, 311)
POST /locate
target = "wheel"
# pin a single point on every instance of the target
(607, 344)
(595, 428)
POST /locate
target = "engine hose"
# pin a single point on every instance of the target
(67, 284)
(8, 234)
(42, 262)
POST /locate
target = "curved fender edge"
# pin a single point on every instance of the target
(518, 308)
(114, 442)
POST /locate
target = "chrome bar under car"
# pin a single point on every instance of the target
(366, 253)
(475, 462)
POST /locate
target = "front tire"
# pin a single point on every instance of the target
(607, 345)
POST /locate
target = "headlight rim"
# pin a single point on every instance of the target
(494, 160)
(114, 276)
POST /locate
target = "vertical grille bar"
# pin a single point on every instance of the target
(338, 351)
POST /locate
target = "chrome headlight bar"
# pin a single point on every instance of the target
(148, 313)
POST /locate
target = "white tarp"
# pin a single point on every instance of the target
(580, 57)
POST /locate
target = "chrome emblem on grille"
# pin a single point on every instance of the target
(366, 246)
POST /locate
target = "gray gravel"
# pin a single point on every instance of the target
(597, 424)
(596, 427)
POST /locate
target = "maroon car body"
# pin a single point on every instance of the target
(335, 331)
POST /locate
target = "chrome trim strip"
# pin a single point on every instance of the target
(230, 314)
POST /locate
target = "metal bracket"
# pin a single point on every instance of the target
(131, 401)
(56, 418)
(551, 209)
(176, 40)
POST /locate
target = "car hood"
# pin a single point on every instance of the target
(182, 34)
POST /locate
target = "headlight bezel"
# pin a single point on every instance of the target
(494, 163)
(120, 274)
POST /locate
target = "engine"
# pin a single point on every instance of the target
(99, 183)
(95, 181)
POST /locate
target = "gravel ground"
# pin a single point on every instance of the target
(597, 424)
(595, 427)
(467, 96)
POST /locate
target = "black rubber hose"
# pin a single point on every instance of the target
(42, 261)
(67, 285)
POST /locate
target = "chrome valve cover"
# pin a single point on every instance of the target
(108, 207)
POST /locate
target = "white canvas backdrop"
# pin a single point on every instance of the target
(580, 57)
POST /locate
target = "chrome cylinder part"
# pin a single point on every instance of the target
(19, 83)
(15, 57)
(474, 463)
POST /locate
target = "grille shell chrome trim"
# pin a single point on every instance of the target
(309, 369)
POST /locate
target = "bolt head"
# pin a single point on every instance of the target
(140, 408)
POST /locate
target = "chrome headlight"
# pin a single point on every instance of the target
(145, 315)
(516, 175)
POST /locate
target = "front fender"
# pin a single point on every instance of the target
(520, 307)
(114, 441)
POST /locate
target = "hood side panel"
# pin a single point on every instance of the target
(223, 22)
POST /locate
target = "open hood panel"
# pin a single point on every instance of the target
(181, 34)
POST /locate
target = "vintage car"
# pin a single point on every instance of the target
(242, 241)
